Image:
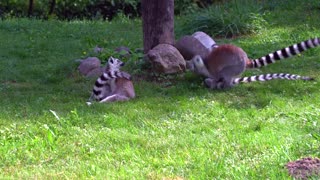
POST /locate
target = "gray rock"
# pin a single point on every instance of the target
(197, 44)
(139, 50)
(97, 72)
(97, 49)
(204, 39)
(78, 60)
(123, 51)
(88, 65)
(166, 59)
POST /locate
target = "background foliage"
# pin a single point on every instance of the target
(240, 17)
(70, 9)
(89, 9)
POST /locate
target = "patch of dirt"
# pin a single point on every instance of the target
(304, 168)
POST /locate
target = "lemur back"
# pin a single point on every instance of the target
(226, 56)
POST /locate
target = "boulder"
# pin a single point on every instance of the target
(204, 39)
(166, 59)
(97, 72)
(97, 49)
(198, 43)
(88, 65)
(123, 51)
(139, 50)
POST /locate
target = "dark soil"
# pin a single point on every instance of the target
(304, 168)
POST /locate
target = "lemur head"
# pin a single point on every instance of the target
(114, 64)
(196, 64)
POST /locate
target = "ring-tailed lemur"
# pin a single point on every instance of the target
(226, 62)
(222, 65)
(105, 83)
(263, 77)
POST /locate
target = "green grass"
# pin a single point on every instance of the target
(243, 17)
(185, 130)
(226, 19)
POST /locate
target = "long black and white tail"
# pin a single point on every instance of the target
(285, 53)
(268, 77)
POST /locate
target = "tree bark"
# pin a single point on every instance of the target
(30, 11)
(158, 23)
(52, 6)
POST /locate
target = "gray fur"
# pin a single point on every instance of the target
(196, 65)
(223, 64)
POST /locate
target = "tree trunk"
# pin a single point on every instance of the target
(52, 6)
(158, 23)
(30, 11)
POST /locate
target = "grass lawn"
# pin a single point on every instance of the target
(168, 132)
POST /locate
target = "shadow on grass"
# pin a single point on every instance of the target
(255, 95)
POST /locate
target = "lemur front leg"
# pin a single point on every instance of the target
(114, 97)
(221, 83)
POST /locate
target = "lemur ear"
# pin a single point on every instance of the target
(111, 60)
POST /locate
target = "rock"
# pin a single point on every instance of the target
(97, 72)
(304, 168)
(166, 59)
(139, 50)
(88, 65)
(78, 60)
(204, 39)
(197, 44)
(123, 51)
(97, 49)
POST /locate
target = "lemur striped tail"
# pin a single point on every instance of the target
(284, 53)
(268, 77)
(102, 80)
